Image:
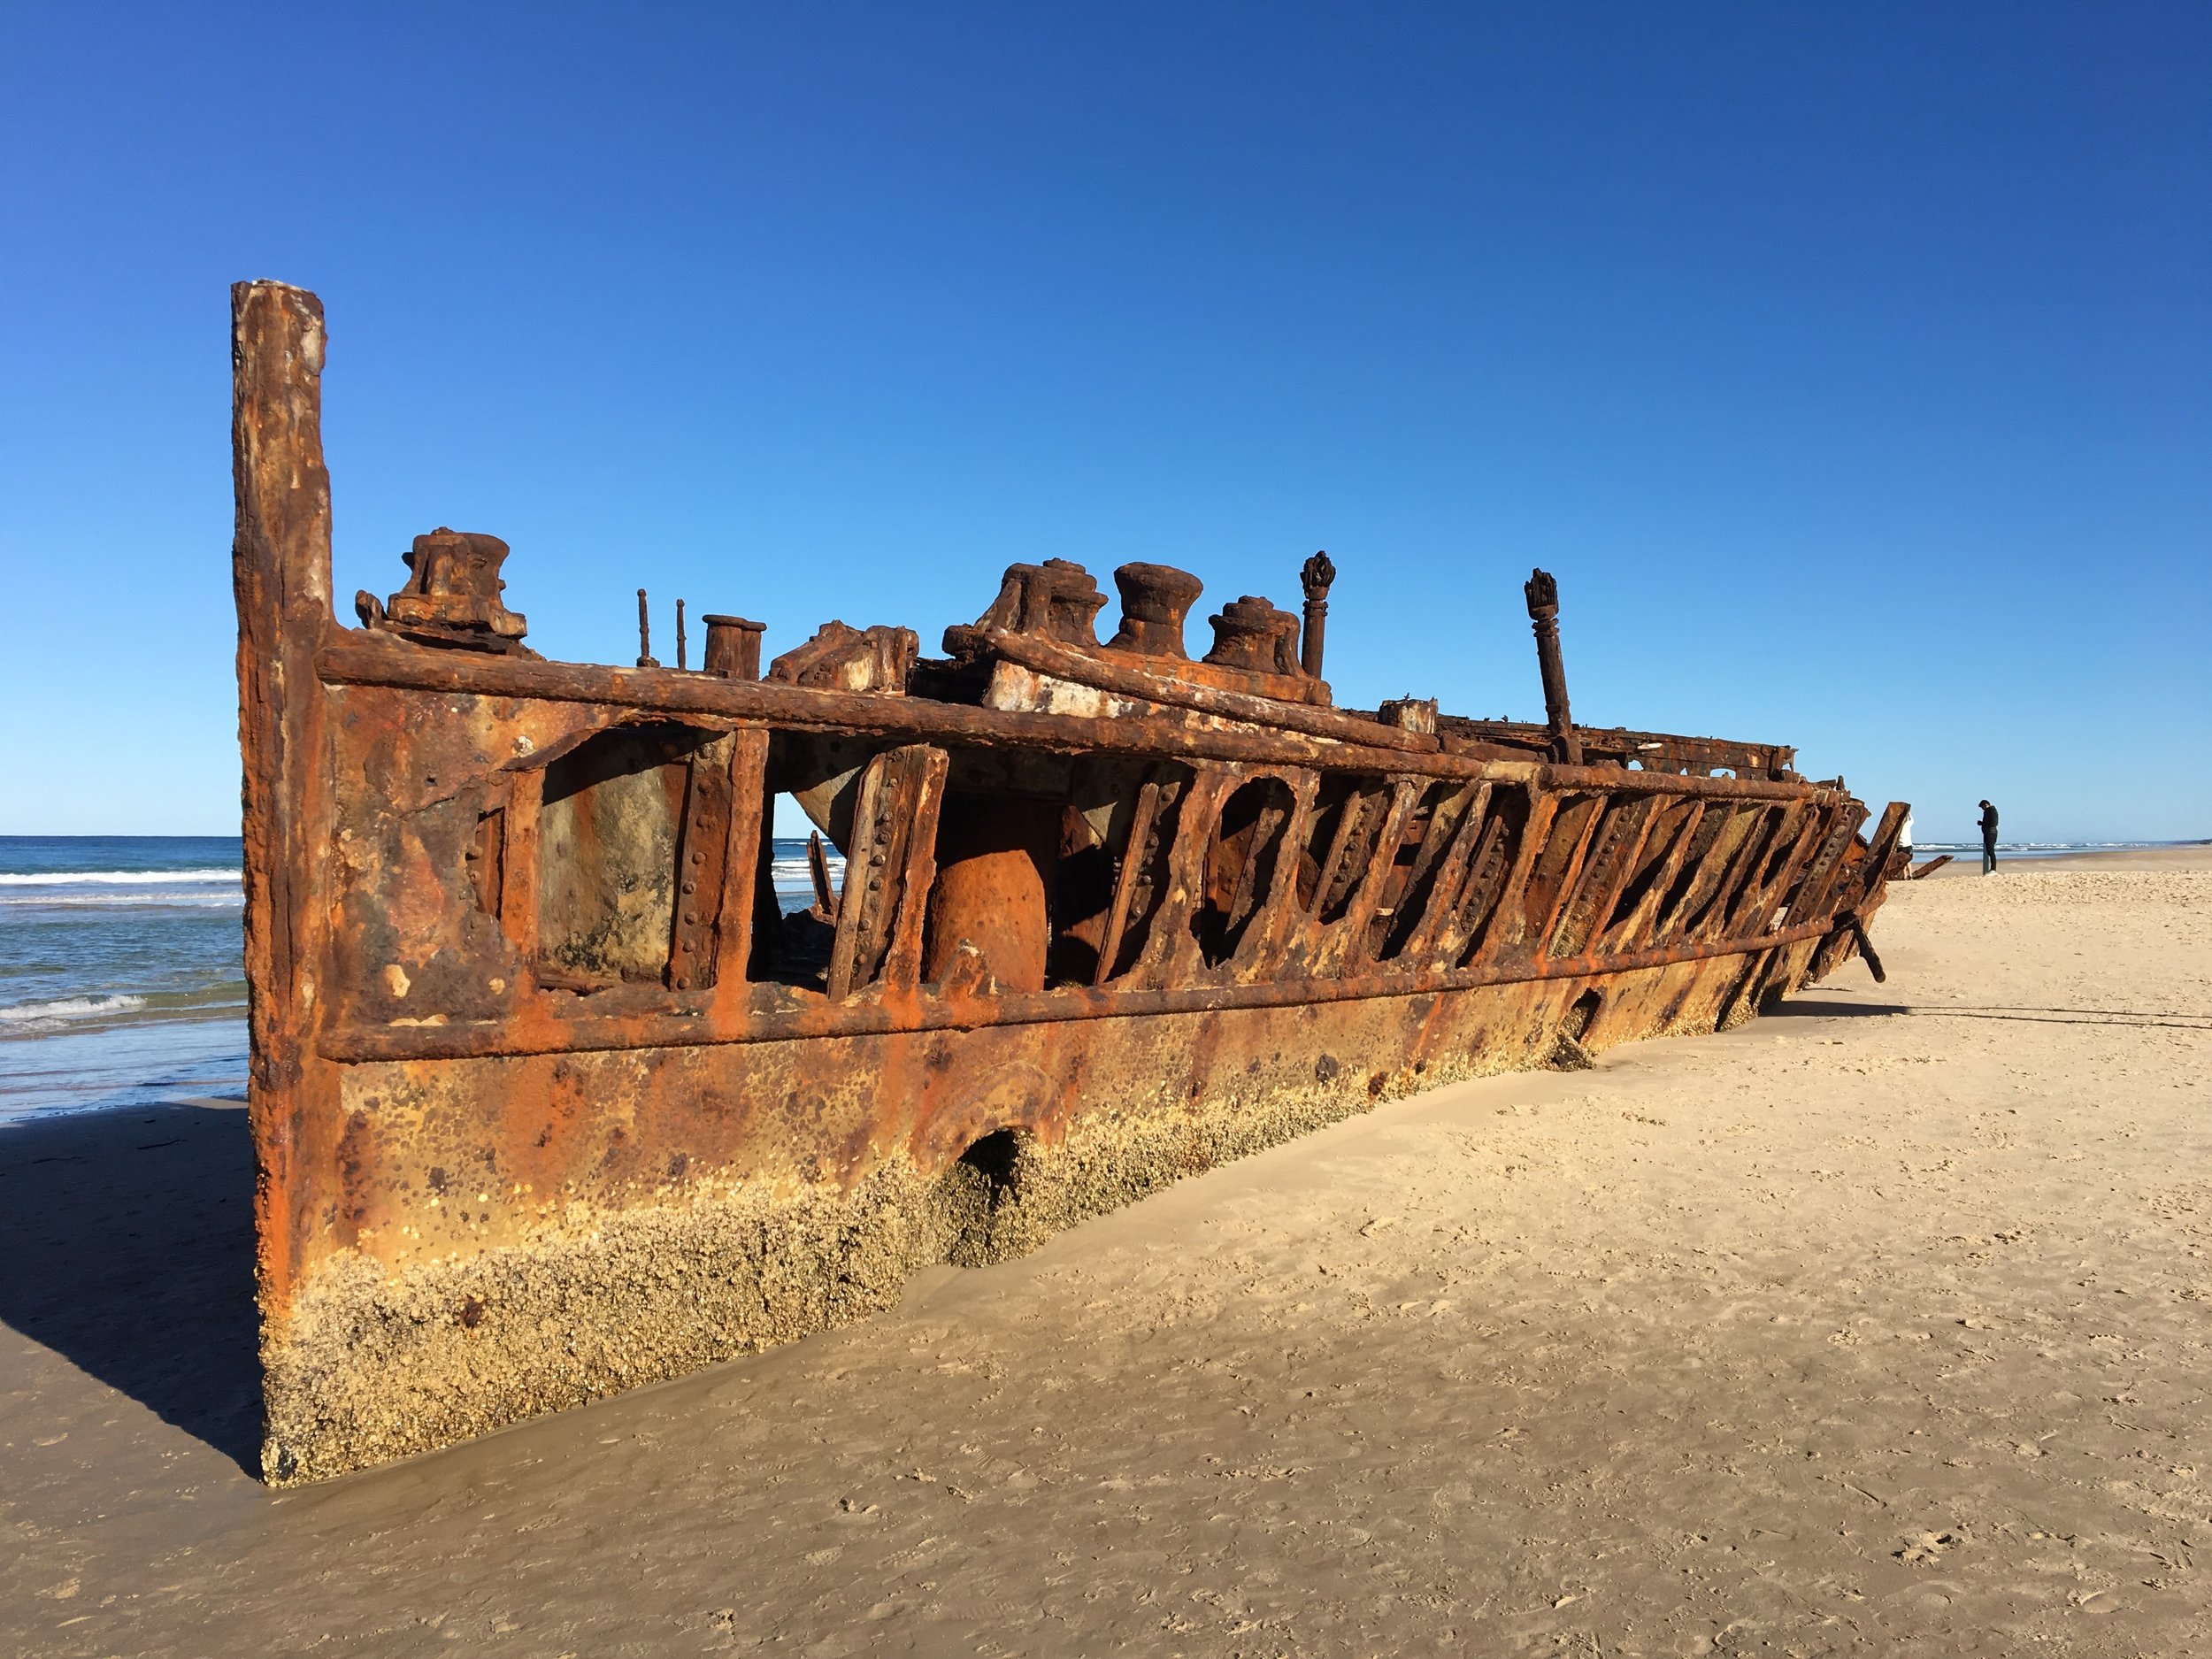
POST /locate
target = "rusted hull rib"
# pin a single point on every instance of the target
(552, 1097)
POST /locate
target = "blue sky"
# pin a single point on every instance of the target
(1850, 365)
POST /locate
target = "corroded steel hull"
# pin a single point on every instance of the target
(551, 1099)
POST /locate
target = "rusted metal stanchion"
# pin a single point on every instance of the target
(1543, 615)
(645, 658)
(1317, 576)
(680, 634)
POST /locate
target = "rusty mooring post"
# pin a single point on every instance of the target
(732, 647)
(680, 634)
(1316, 576)
(645, 658)
(1543, 615)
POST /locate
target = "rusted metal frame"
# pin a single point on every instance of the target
(1715, 867)
(702, 844)
(1441, 905)
(1859, 902)
(1472, 905)
(1742, 874)
(1812, 895)
(1880, 849)
(1172, 951)
(1808, 899)
(889, 869)
(1243, 903)
(355, 657)
(1345, 943)
(1422, 887)
(1268, 940)
(1307, 932)
(871, 1015)
(518, 862)
(921, 806)
(1045, 656)
(1590, 908)
(1508, 907)
(1126, 878)
(281, 576)
(1347, 822)
(1637, 926)
(741, 857)
(1757, 914)
(1538, 937)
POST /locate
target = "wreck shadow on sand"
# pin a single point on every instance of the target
(1818, 1008)
(126, 1247)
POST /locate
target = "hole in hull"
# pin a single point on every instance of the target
(974, 1195)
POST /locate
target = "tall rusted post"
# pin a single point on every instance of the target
(280, 571)
(1543, 615)
(645, 658)
(1317, 575)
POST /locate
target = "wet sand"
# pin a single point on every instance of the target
(1881, 1327)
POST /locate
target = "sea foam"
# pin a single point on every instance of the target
(48, 1016)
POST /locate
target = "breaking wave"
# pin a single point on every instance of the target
(52, 1015)
(113, 878)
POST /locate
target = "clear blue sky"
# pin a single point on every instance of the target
(1851, 365)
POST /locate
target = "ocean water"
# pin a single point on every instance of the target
(121, 982)
(2007, 850)
(122, 975)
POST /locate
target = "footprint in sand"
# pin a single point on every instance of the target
(1926, 1548)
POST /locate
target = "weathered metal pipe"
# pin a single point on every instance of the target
(1543, 615)
(1317, 576)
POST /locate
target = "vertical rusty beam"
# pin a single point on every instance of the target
(703, 843)
(900, 793)
(749, 832)
(520, 864)
(280, 573)
(921, 801)
(1543, 614)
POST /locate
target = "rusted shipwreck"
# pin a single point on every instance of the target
(551, 1098)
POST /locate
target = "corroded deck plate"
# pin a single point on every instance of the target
(550, 1098)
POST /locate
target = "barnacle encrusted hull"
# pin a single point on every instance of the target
(552, 1096)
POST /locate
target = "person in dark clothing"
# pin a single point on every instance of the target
(1989, 839)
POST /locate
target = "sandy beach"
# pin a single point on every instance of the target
(1878, 1326)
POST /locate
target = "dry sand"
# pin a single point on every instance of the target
(1879, 1327)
